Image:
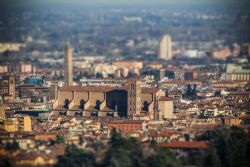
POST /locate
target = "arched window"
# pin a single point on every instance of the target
(97, 104)
(132, 87)
(145, 106)
(66, 104)
(82, 102)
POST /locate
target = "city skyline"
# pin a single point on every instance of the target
(113, 83)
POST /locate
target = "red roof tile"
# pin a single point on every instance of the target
(185, 145)
(164, 98)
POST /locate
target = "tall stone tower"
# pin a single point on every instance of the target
(12, 86)
(134, 97)
(165, 50)
(68, 65)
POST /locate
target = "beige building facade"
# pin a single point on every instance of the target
(165, 50)
(130, 100)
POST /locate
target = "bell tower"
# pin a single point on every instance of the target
(134, 97)
(68, 65)
(12, 86)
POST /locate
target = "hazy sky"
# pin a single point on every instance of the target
(158, 1)
(147, 3)
(180, 2)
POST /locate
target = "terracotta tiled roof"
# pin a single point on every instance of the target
(246, 116)
(103, 89)
(90, 88)
(149, 90)
(160, 134)
(125, 122)
(164, 98)
(239, 93)
(185, 145)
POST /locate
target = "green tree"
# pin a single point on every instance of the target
(231, 146)
(210, 158)
(81, 140)
(75, 157)
(194, 92)
(129, 153)
(121, 152)
(12, 146)
(59, 139)
(162, 158)
(34, 99)
(6, 162)
(188, 91)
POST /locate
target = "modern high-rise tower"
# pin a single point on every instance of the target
(165, 50)
(68, 65)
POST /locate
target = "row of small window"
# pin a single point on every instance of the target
(138, 103)
(128, 126)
